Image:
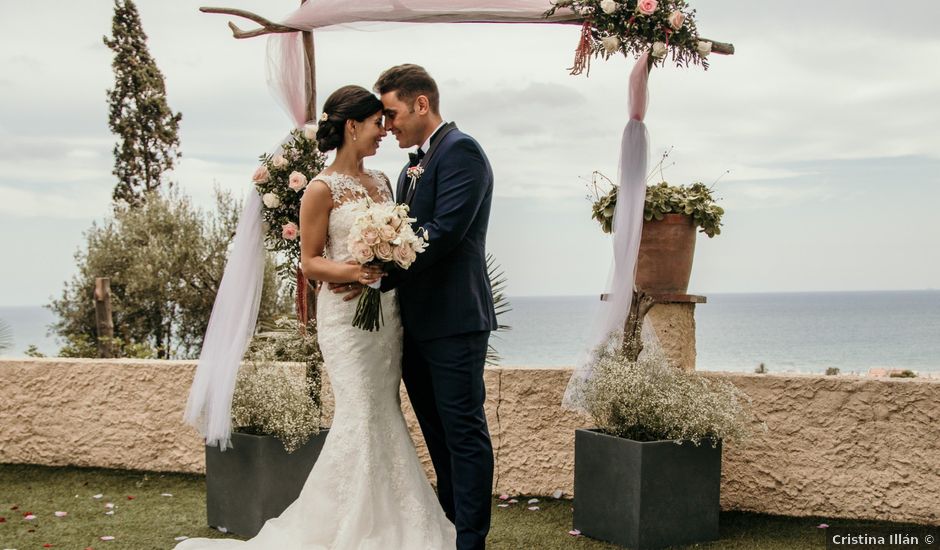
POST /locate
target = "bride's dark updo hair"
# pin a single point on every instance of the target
(347, 103)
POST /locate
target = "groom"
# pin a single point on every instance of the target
(445, 298)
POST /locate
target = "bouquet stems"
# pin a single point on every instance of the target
(369, 310)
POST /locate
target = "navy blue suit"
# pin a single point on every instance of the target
(447, 313)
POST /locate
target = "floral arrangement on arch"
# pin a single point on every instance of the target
(633, 27)
(280, 180)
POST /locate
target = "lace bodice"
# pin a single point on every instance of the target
(348, 193)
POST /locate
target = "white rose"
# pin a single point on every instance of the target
(387, 233)
(611, 44)
(659, 50)
(270, 200)
(279, 161)
(704, 48)
(383, 251)
(676, 19)
(404, 256)
(609, 6)
(360, 251)
(310, 131)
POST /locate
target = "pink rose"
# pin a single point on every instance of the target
(676, 19)
(387, 233)
(383, 251)
(647, 7)
(261, 175)
(289, 231)
(297, 181)
(404, 256)
(371, 236)
(361, 252)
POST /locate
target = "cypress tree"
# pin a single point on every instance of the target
(139, 114)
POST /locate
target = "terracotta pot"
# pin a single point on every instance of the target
(665, 260)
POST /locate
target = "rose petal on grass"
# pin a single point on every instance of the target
(3, 520)
(822, 526)
(47, 545)
(512, 501)
(15, 507)
(61, 514)
(222, 529)
(557, 494)
(29, 517)
(502, 506)
(533, 500)
(130, 497)
(109, 513)
(107, 538)
(533, 508)
(109, 505)
(178, 539)
(503, 497)
(166, 494)
(574, 533)
(97, 496)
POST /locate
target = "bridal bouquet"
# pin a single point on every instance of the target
(381, 235)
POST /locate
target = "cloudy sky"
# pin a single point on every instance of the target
(826, 118)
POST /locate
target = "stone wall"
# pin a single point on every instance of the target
(837, 446)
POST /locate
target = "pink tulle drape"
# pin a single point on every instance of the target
(324, 13)
(285, 75)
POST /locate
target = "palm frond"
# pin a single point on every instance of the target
(501, 303)
(6, 336)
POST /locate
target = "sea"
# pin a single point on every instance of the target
(804, 332)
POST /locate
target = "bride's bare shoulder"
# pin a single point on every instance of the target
(318, 192)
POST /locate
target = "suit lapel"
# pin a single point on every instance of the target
(400, 190)
(432, 148)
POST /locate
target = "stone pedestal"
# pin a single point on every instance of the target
(673, 317)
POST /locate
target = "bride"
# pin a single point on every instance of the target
(367, 489)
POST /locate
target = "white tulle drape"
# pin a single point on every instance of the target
(627, 229)
(316, 14)
(231, 325)
(235, 311)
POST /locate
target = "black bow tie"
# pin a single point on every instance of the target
(415, 158)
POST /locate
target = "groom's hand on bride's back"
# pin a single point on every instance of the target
(351, 290)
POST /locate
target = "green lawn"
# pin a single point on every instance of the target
(145, 516)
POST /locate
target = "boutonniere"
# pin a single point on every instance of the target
(414, 174)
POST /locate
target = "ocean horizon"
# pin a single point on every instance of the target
(806, 332)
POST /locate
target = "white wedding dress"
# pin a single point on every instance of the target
(367, 490)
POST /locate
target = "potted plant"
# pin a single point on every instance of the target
(648, 475)
(276, 437)
(671, 215)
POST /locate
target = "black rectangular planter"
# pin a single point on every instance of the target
(255, 480)
(645, 495)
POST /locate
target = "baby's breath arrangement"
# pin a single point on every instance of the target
(271, 396)
(650, 400)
